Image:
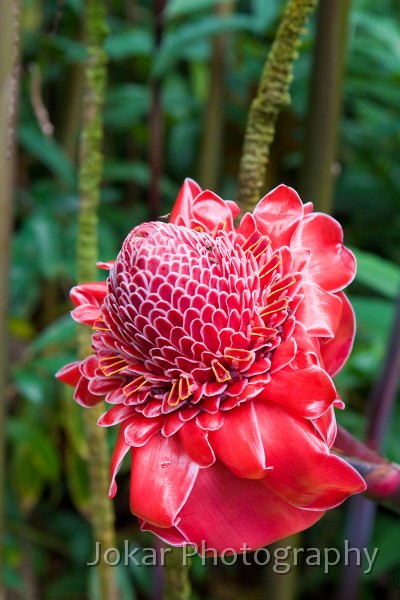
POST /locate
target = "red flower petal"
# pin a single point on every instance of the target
(120, 450)
(210, 210)
(303, 473)
(278, 215)
(70, 374)
(162, 477)
(116, 414)
(283, 355)
(226, 510)
(336, 351)
(332, 266)
(86, 313)
(319, 311)
(326, 426)
(238, 442)
(196, 444)
(141, 429)
(305, 392)
(89, 293)
(183, 206)
(83, 396)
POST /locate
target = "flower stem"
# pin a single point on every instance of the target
(324, 104)
(383, 478)
(176, 576)
(9, 84)
(213, 118)
(273, 93)
(91, 165)
(156, 123)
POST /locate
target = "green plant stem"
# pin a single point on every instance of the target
(90, 172)
(320, 140)
(284, 586)
(213, 121)
(273, 93)
(9, 85)
(176, 576)
(156, 123)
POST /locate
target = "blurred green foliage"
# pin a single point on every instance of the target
(48, 540)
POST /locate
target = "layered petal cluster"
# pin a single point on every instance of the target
(215, 347)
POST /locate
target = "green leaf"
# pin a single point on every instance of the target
(47, 151)
(373, 315)
(133, 42)
(57, 334)
(42, 454)
(177, 41)
(378, 274)
(77, 479)
(32, 386)
(72, 422)
(265, 13)
(138, 172)
(126, 105)
(26, 481)
(179, 8)
(386, 538)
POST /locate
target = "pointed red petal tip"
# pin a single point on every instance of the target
(202, 210)
(332, 265)
(70, 374)
(278, 214)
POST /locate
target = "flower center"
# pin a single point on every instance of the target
(191, 319)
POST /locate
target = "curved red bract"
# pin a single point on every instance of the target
(215, 346)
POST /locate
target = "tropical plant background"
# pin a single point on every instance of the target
(48, 539)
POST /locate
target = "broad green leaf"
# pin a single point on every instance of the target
(44, 235)
(377, 273)
(386, 538)
(138, 172)
(42, 453)
(77, 479)
(32, 386)
(133, 42)
(26, 481)
(179, 8)
(177, 41)
(265, 13)
(373, 315)
(126, 105)
(72, 422)
(47, 151)
(55, 335)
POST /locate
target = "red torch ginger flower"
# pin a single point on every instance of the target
(215, 347)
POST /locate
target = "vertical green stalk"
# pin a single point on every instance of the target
(156, 122)
(90, 172)
(213, 121)
(273, 93)
(320, 140)
(9, 85)
(176, 576)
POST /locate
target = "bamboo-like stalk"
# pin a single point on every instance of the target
(9, 85)
(213, 121)
(273, 93)
(176, 577)
(324, 104)
(156, 124)
(90, 172)
(383, 479)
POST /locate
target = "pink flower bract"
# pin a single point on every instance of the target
(215, 348)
